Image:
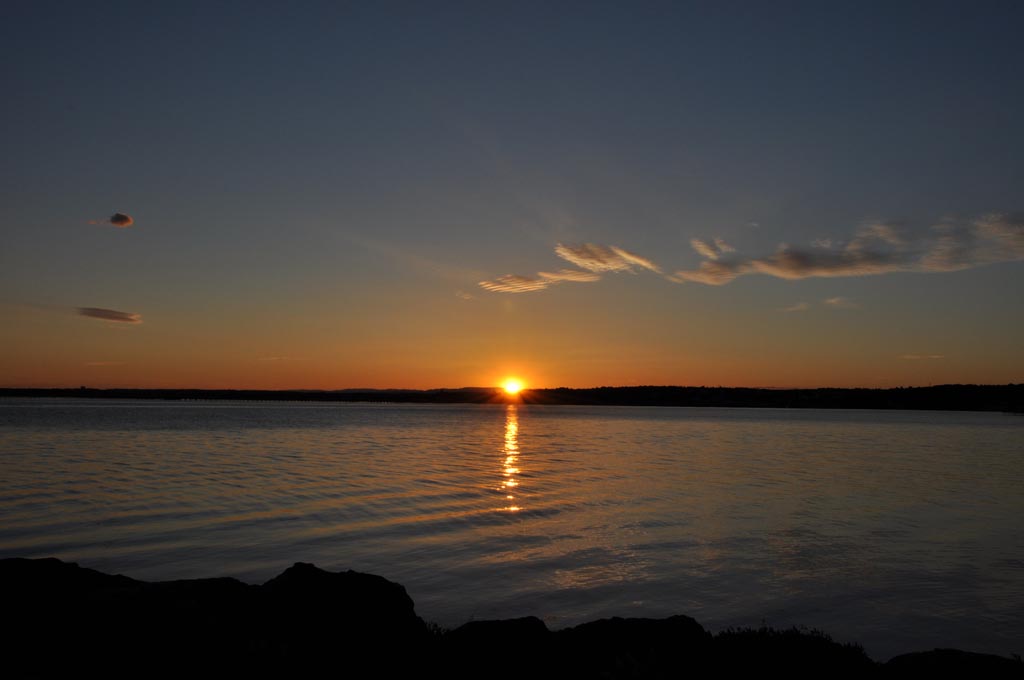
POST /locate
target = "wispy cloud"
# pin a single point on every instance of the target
(515, 283)
(281, 359)
(832, 302)
(119, 220)
(703, 249)
(597, 258)
(637, 260)
(97, 364)
(875, 249)
(463, 295)
(110, 315)
(711, 251)
(569, 275)
(918, 357)
(841, 303)
(592, 260)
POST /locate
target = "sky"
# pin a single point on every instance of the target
(343, 195)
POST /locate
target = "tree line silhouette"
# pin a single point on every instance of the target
(1008, 398)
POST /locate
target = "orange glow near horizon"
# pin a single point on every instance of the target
(512, 386)
(447, 351)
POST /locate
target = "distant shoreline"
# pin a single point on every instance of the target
(1005, 398)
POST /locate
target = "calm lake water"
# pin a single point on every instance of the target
(899, 530)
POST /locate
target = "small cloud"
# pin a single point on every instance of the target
(281, 359)
(703, 249)
(841, 303)
(104, 363)
(873, 234)
(637, 260)
(711, 273)
(597, 258)
(723, 247)
(119, 220)
(823, 243)
(514, 283)
(569, 275)
(798, 307)
(711, 251)
(110, 315)
(463, 295)
(918, 357)
(592, 259)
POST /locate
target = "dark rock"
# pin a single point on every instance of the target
(353, 599)
(63, 620)
(954, 663)
(497, 649)
(319, 618)
(631, 648)
(50, 578)
(66, 618)
(528, 630)
(791, 652)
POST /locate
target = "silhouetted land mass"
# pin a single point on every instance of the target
(940, 397)
(65, 620)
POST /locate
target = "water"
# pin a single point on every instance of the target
(898, 530)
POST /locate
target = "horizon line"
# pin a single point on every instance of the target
(499, 388)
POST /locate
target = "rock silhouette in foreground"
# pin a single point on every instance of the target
(63, 619)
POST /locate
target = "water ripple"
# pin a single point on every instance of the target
(897, 529)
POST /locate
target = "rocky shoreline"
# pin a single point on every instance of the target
(63, 619)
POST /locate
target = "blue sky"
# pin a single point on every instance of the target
(320, 189)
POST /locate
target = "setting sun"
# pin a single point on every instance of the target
(512, 386)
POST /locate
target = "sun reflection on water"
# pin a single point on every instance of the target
(510, 468)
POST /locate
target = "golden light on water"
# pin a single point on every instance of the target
(510, 468)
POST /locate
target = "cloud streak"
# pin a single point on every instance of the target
(597, 258)
(711, 251)
(841, 303)
(592, 260)
(874, 249)
(110, 315)
(119, 220)
(515, 283)
(569, 275)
